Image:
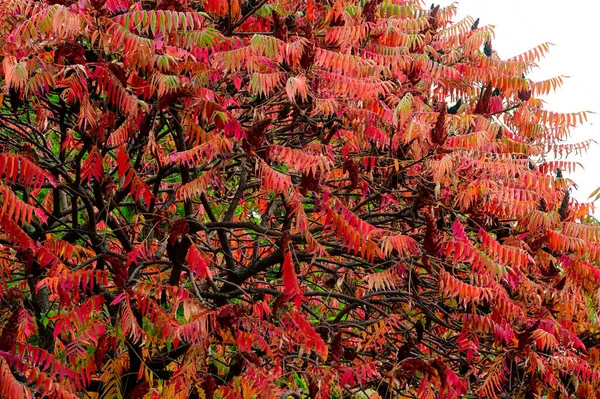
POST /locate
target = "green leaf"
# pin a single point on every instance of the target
(153, 23)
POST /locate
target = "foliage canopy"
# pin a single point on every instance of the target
(272, 198)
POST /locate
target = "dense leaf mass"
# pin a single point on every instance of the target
(275, 198)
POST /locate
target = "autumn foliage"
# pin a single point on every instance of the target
(277, 198)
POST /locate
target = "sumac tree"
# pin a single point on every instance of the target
(271, 198)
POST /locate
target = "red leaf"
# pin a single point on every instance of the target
(290, 280)
(237, 82)
(347, 378)
(93, 166)
(198, 263)
(313, 339)
(122, 161)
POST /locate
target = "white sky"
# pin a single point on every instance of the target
(574, 28)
